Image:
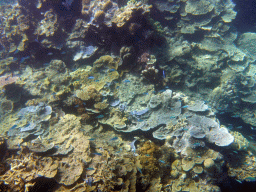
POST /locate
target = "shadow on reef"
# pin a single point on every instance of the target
(44, 184)
(233, 122)
(233, 185)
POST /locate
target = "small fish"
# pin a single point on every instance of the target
(50, 53)
(15, 59)
(111, 70)
(126, 81)
(13, 127)
(239, 127)
(253, 128)
(235, 152)
(197, 144)
(239, 181)
(161, 161)
(90, 169)
(24, 58)
(7, 78)
(97, 80)
(76, 106)
(147, 155)
(92, 139)
(132, 144)
(251, 137)
(172, 117)
(114, 138)
(89, 180)
(163, 74)
(140, 120)
(99, 154)
(221, 113)
(141, 112)
(117, 87)
(99, 116)
(145, 93)
(16, 51)
(90, 77)
(162, 90)
(235, 116)
(46, 64)
(230, 127)
(185, 106)
(63, 52)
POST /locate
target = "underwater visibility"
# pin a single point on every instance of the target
(127, 95)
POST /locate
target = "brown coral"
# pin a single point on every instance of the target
(99, 16)
(89, 93)
(107, 6)
(149, 155)
(101, 105)
(106, 60)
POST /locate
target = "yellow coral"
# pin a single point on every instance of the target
(101, 105)
(107, 6)
(99, 16)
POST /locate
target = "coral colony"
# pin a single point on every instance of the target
(102, 95)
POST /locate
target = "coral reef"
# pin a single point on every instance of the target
(103, 95)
